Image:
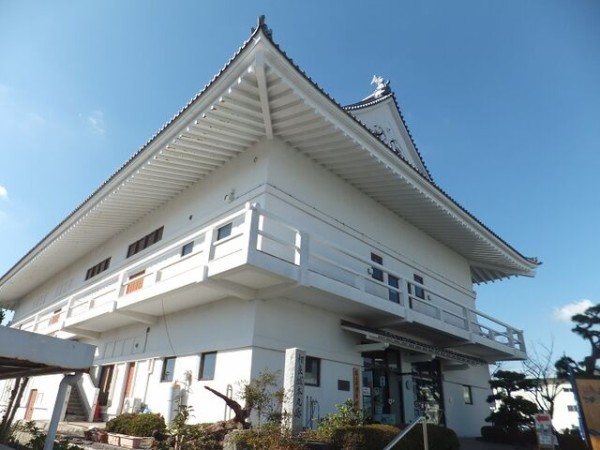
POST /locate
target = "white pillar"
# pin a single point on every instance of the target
(68, 380)
(293, 384)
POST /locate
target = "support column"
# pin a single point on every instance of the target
(68, 380)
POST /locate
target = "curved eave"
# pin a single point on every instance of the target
(260, 94)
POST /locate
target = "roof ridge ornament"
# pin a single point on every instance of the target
(382, 87)
(262, 24)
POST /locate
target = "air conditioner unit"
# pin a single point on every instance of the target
(128, 405)
(132, 405)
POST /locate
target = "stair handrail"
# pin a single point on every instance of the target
(404, 432)
(88, 393)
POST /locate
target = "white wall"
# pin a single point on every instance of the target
(202, 202)
(466, 419)
(326, 195)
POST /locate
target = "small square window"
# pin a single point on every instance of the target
(312, 371)
(418, 290)
(376, 272)
(208, 363)
(187, 248)
(394, 282)
(344, 385)
(168, 369)
(572, 408)
(224, 231)
(467, 395)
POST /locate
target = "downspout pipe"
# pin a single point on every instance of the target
(68, 380)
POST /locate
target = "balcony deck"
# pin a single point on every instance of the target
(254, 254)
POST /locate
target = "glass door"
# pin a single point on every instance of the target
(427, 386)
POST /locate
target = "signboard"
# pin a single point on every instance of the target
(293, 383)
(587, 391)
(543, 430)
(356, 387)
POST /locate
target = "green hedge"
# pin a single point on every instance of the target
(376, 437)
(141, 425)
(571, 440)
(497, 434)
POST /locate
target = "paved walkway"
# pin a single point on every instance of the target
(77, 428)
(474, 444)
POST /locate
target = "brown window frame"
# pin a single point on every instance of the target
(97, 269)
(145, 242)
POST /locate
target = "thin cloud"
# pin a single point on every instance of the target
(564, 313)
(3, 192)
(95, 121)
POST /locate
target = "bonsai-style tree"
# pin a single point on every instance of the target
(588, 327)
(513, 412)
(259, 394)
(565, 366)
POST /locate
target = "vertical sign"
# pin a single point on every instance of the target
(543, 431)
(293, 385)
(587, 391)
(356, 386)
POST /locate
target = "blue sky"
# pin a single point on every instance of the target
(502, 99)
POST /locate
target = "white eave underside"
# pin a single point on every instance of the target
(261, 95)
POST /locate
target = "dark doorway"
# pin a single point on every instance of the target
(382, 387)
(427, 385)
(105, 383)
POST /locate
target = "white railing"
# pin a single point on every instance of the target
(404, 432)
(88, 393)
(255, 230)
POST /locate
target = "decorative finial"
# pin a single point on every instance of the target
(382, 87)
(262, 24)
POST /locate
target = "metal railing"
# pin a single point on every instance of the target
(255, 230)
(404, 432)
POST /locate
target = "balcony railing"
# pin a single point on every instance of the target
(252, 234)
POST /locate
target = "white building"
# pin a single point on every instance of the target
(566, 412)
(266, 216)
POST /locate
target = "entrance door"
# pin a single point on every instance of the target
(427, 385)
(30, 404)
(382, 393)
(105, 383)
(127, 405)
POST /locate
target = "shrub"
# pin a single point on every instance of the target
(571, 440)
(268, 437)
(376, 436)
(363, 437)
(494, 434)
(501, 435)
(119, 424)
(347, 415)
(141, 425)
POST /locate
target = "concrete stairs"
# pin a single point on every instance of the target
(76, 412)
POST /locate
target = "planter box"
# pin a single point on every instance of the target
(100, 436)
(114, 439)
(131, 441)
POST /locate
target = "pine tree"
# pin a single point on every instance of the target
(588, 327)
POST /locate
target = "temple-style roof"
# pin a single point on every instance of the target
(261, 94)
